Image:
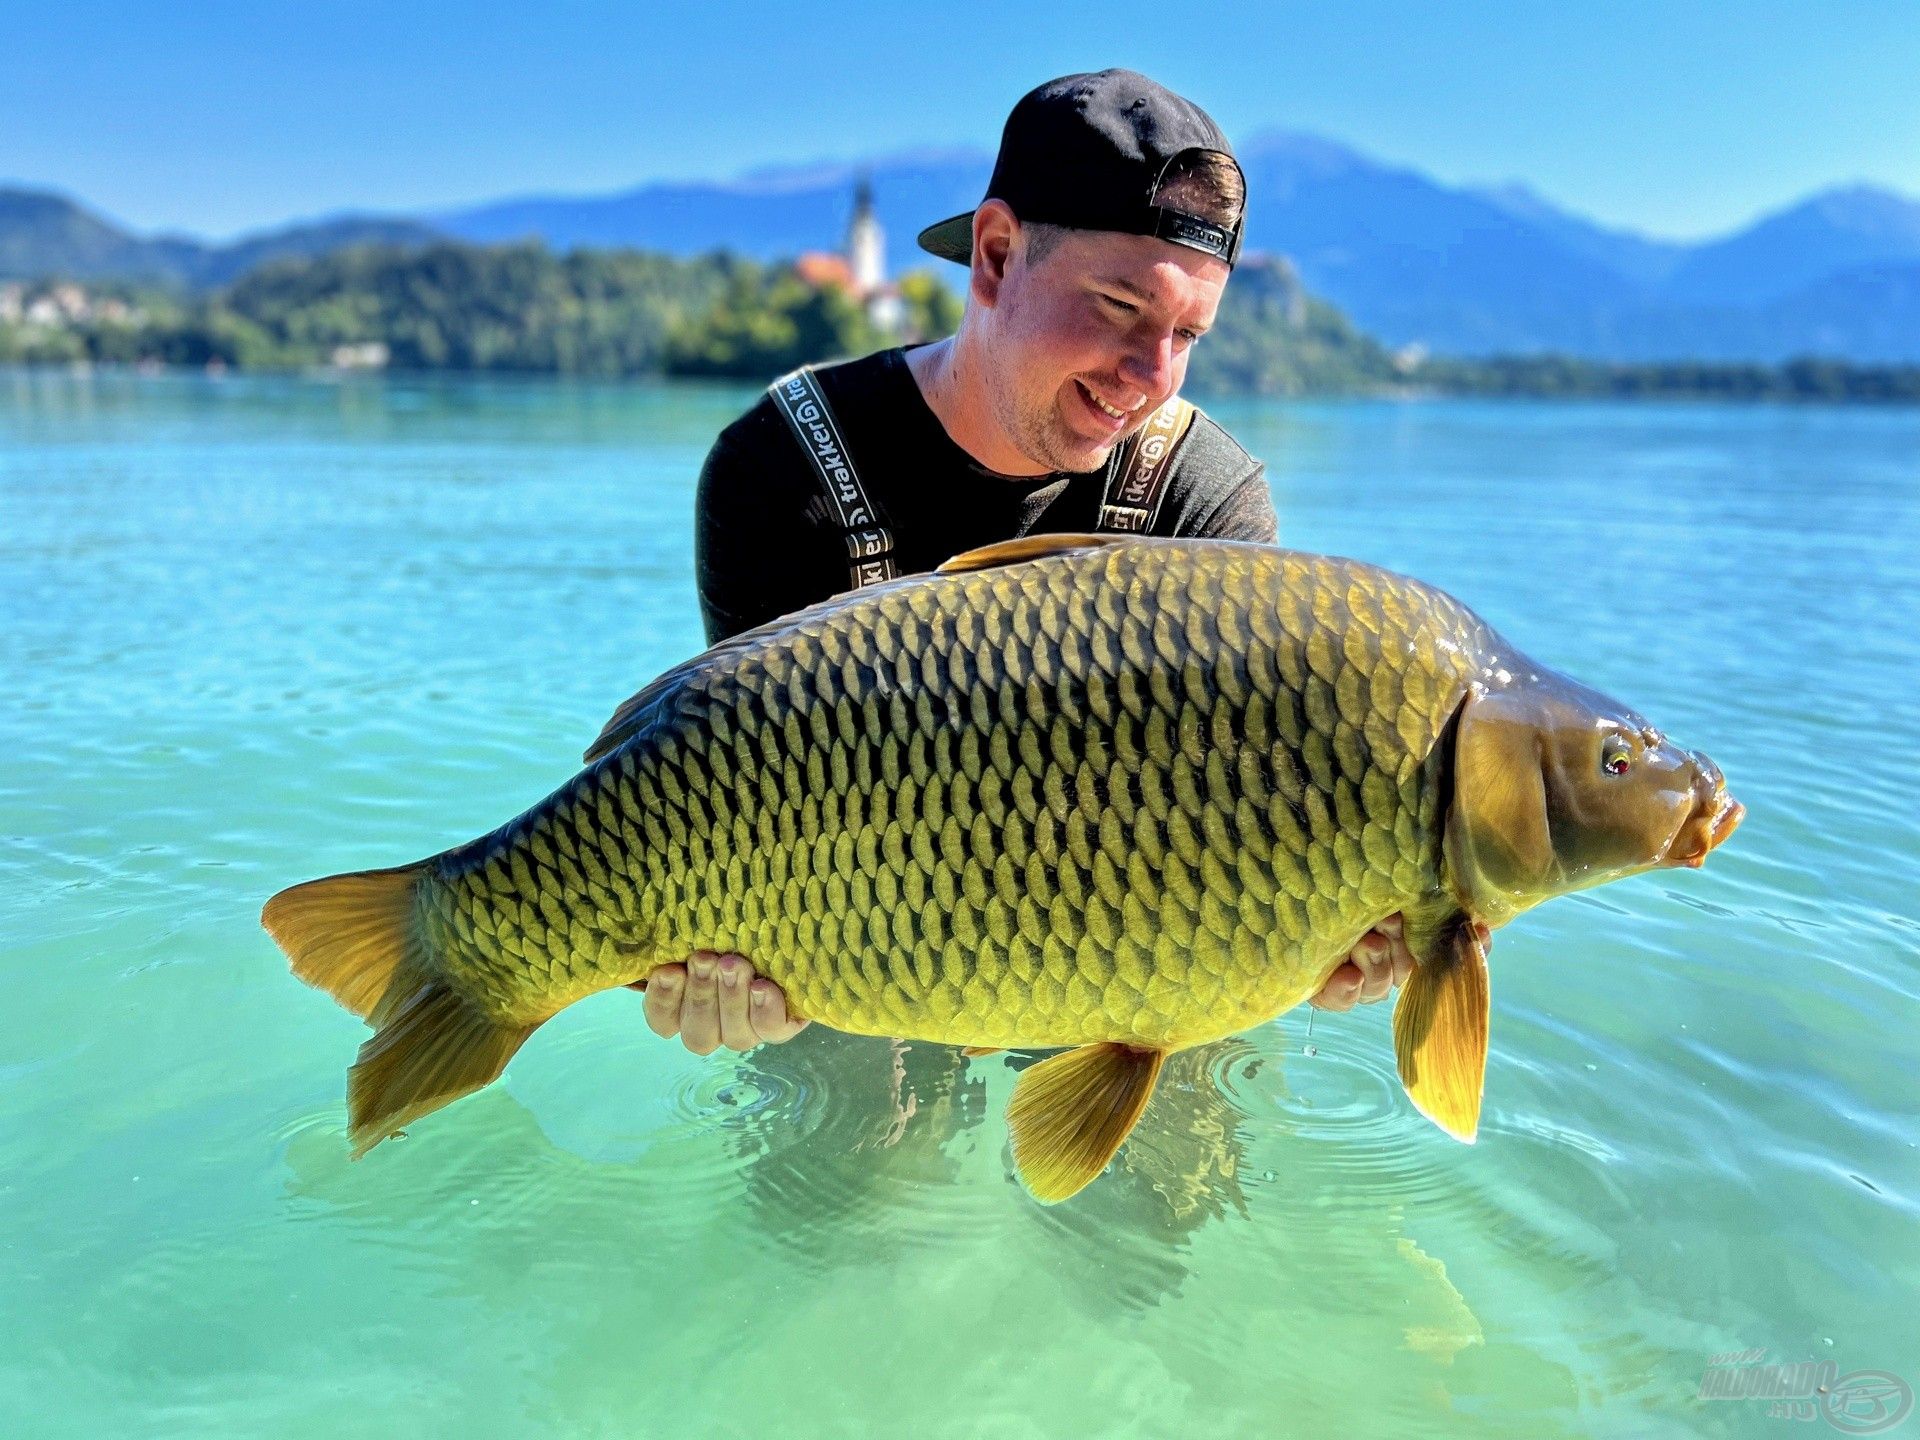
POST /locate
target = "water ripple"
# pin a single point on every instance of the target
(255, 654)
(1346, 1100)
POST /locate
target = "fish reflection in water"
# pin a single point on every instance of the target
(836, 1153)
(902, 1119)
(890, 1157)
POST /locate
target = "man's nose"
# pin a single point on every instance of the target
(1149, 366)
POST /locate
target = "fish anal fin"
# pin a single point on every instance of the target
(974, 1052)
(1440, 1032)
(1027, 547)
(1071, 1113)
(432, 1048)
(350, 935)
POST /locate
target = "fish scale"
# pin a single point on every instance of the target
(1148, 792)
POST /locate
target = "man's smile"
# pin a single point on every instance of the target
(1115, 417)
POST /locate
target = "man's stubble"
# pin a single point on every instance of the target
(1040, 432)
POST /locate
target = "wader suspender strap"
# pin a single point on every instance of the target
(1137, 483)
(869, 541)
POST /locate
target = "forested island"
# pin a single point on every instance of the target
(614, 313)
(509, 308)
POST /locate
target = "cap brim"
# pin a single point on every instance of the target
(950, 239)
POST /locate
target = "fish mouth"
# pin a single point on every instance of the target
(1710, 824)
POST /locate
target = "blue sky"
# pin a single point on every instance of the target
(1678, 119)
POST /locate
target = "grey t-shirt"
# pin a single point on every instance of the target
(767, 542)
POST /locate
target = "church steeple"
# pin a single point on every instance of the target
(866, 244)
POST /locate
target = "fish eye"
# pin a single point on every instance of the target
(1615, 757)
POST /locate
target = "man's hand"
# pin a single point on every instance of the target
(1378, 963)
(716, 1000)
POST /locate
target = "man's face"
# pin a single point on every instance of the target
(1091, 337)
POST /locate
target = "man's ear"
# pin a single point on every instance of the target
(994, 232)
(1498, 832)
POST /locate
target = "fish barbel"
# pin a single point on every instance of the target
(1123, 795)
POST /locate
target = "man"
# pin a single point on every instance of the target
(1096, 261)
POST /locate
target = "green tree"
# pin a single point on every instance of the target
(768, 321)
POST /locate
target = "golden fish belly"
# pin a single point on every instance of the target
(1149, 792)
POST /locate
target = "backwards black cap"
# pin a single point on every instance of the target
(1090, 152)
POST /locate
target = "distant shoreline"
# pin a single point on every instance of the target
(1411, 392)
(521, 309)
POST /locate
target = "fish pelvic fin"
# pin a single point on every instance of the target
(1071, 1113)
(358, 937)
(1440, 1032)
(431, 1048)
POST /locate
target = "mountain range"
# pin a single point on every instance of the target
(1458, 269)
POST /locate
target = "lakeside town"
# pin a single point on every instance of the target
(523, 308)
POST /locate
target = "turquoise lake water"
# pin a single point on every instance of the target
(256, 631)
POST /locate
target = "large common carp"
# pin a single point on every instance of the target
(1124, 795)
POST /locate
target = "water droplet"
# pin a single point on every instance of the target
(1310, 1050)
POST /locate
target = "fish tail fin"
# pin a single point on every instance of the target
(358, 937)
(430, 1049)
(353, 935)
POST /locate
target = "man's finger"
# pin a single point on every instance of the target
(770, 1019)
(700, 1011)
(736, 1030)
(1341, 989)
(1373, 955)
(665, 986)
(1400, 958)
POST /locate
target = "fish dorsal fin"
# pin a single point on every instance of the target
(1440, 1033)
(1027, 547)
(1071, 1112)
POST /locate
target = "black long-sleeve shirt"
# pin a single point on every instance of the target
(767, 541)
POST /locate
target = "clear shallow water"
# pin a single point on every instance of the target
(257, 631)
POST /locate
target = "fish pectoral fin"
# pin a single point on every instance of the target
(1071, 1112)
(974, 1052)
(1440, 1033)
(1027, 547)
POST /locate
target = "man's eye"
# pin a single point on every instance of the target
(1122, 306)
(1187, 337)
